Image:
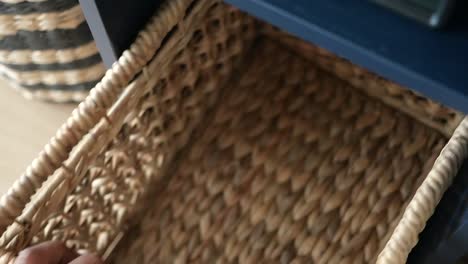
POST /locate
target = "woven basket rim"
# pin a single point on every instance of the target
(96, 113)
(125, 73)
(420, 208)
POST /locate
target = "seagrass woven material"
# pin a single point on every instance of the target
(419, 107)
(230, 151)
(294, 166)
(47, 51)
(205, 42)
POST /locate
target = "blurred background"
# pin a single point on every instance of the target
(26, 126)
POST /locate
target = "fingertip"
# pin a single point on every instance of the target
(28, 256)
(51, 251)
(87, 259)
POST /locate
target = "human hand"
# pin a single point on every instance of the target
(54, 252)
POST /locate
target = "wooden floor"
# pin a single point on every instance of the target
(26, 126)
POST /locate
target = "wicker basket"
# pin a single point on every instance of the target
(218, 139)
(46, 49)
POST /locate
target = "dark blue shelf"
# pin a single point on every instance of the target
(431, 62)
(115, 24)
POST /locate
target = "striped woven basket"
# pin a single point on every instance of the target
(218, 139)
(46, 49)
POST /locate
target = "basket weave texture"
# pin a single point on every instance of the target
(293, 165)
(214, 141)
(46, 49)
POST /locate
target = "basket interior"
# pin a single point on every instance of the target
(245, 149)
(291, 164)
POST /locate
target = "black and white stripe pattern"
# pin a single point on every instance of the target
(53, 56)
